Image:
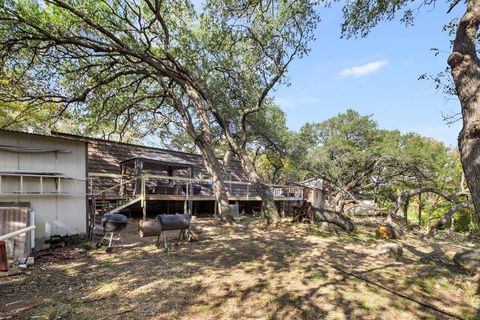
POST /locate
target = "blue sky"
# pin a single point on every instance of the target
(376, 75)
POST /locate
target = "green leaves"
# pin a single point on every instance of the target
(354, 154)
(360, 16)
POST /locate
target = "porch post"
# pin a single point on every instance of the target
(138, 176)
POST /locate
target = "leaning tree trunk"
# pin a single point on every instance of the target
(448, 216)
(203, 142)
(218, 180)
(264, 191)
(337, 218)
(465, 69)
(306, 213)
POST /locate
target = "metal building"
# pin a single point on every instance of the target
(48, 173)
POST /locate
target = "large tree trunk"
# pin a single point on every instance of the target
(218, 180)
(202, 140)
(264, 191)
(448, 216)
(465, 69)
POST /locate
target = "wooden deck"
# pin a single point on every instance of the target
(237, 190)
(167, 197)
(212, 198)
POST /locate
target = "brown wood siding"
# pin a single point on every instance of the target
(105, 157)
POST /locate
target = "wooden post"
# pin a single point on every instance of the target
(190, 203)
(215, 209)
(145, 212)
(143, 196)
(138, 176)
(122, 187)
(185, 202)
(104, 210)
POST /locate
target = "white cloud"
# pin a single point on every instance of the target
(362, 70)
(296, 101)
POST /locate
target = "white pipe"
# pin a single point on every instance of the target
(32, 223)
(16, 233)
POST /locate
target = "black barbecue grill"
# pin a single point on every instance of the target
(112, 224)
(171, 222)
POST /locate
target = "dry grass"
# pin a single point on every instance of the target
(244, 272)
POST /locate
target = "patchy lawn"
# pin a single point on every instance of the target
(245, 272)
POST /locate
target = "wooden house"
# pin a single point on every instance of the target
(66, 178)
(132, 178)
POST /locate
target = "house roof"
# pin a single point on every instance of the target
(313, 183)
(127, 144)
(160, 161)
(106, 155)
(52, 135)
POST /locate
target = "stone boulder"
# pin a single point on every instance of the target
(468, 259)
(390, 250)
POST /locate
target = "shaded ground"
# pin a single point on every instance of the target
(244, 272)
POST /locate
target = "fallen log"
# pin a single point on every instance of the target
(306, 213)
(322, 215)
(362, 210)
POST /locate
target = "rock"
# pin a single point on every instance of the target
(425, 259)
(395, 232)
(30, 261)
(390, 249)
(329, 227)
(468, 259)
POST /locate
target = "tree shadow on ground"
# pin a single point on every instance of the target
(239, 272)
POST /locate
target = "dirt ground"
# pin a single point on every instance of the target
(246, 272)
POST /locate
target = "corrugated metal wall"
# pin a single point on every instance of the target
(54, 214)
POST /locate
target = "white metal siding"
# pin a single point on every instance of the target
(55, 214)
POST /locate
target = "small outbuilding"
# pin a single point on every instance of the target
(313, 191)
(49, 173)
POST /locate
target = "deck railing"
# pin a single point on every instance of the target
(40, 183)
(115, 185)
